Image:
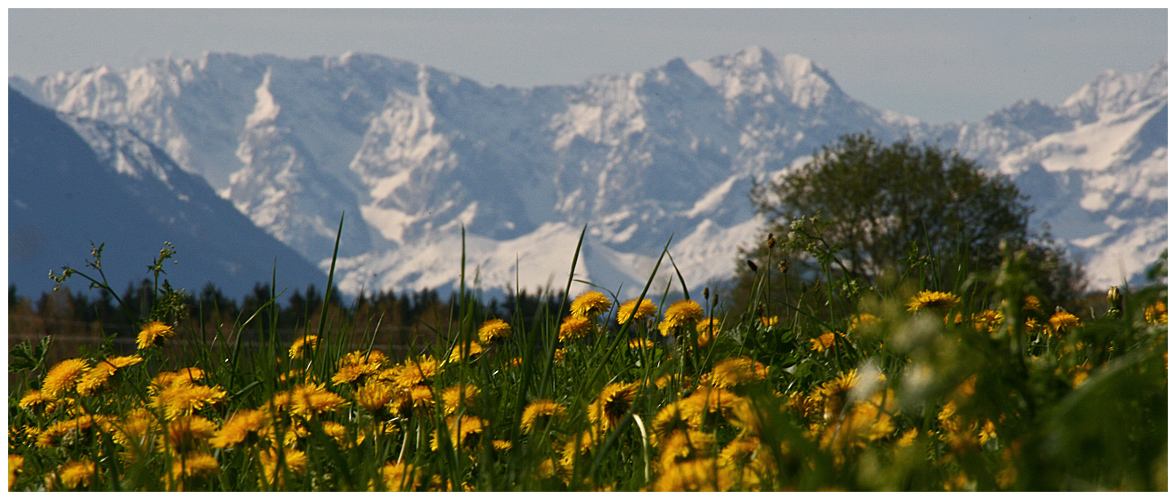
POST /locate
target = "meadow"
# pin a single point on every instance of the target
(916, 385)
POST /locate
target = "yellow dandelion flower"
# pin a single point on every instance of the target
(34, 397)
(966, 389)
(824, 342)
(804, 405)
(356, 366)
(744, 462)
(362, 357)
(290, 437)
(641, 344)
(987, 432)
(706, 404)
(421, 397)
(464, 432)
(56, 432)
(183, 399)
(124, 361)
(738, 370)
(134, 430)
(492, 330)
(707, 328)
(693, 475)
(681, 446)
(862, 320)
(872, 417)
(1031, 303)
(400, 476)
(294, 460)
(668, 420)
(546, 468)
(95, 378)
(163, 380)
(1156, 314)
(1062, 322)
(834, 392)
(670, 378)
(949, 420)
(185, 433)
(576, 448)
(536, 414)
(374, 394)
(243, 425)
(338, 432)
(574, 327)
(611, 404)
(389, 374)
(680, 314)
(459, 396)
(15, 464)
(631, 309)
(769, 321)
(302, 346)
(864, 423)
(590, 304)
(68, 404)
(908, 438)
(501, 445)
(416, 372)
(153, 332)
(1033, 327)
(739, 452)
(744, 416)
(194, 464)
(310, 399)
(469, 351)
(987, 320)
(76, 473)
(348, 374)
(63, 377)
(928, 299)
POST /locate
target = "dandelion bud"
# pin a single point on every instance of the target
(1115, 298)
(706, 293)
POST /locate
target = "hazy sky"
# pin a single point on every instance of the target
(936, 65)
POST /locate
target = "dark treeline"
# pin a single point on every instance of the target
(399, 321)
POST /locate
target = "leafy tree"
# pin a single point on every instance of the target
(861, 212)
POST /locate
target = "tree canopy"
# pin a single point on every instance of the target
(867, 209)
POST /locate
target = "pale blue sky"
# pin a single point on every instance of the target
(936, 65)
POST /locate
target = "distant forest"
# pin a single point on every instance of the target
(400, 321)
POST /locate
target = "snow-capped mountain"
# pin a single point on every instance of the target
(413, 154)
(73, 181)
(1095, 167)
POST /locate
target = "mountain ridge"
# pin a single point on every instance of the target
(75, 182)
(419, 155)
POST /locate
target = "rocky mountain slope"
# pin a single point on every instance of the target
(413, 154)
(73, 181)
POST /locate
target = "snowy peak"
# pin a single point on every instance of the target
(1114, 93)
(755, 72)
